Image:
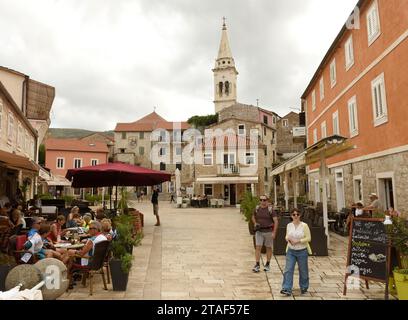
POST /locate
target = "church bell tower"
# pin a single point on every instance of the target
(225, 75)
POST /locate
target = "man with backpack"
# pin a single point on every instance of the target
(265, 221)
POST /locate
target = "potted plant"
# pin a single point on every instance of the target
(121, 248)
(248, 206)
(398, 234)
(6, 264)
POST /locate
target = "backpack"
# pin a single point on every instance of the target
(270, 210)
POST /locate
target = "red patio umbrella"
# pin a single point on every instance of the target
(115, 174)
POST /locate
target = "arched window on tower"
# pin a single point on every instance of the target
(220, 85)
(227, 88)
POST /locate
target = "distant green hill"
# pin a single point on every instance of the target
(61, 133)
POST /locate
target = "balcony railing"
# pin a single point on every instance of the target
(228, 169)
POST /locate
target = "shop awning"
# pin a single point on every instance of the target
(327, 148)
(52, 180)
(14, 161)
(295, 162)
(227, 180)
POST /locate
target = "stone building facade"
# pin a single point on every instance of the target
(25, 106)
(137, 142)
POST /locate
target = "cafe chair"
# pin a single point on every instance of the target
(16, 246)
(95, 266)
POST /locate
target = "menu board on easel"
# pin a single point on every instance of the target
(368, 251)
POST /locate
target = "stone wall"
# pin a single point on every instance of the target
(395, 166)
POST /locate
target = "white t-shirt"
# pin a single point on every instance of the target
(297, 233)
(99, 238)
(359, 212)
(37, 243)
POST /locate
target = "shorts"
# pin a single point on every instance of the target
(41, 254)
(155, 209)
(264, 238)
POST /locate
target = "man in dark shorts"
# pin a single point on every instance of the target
(265, 221)
(155, 202)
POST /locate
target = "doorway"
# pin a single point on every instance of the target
(233, 189)
(386, 193)
(341, 203)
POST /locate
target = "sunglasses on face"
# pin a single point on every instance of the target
(295, 215)
(92, 228)
(264, 199)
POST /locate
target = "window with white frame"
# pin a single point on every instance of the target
(60, 163)
(336, 128)
(333, 73)
(349, 52)
(178, 151)
(27, 143)
(314, 100)
(321, 88)
(19, 137)
(10, 129)
(94, 162)
(208, 189)
(353, 119)
(315, 136)
(208, 159)
(285, 123)
(324, 129)
(379, 100)
(250, 158)
(162, 151)
(358, 188)
(32, 148)
(373, 23)
(241, 129)
(77, 163)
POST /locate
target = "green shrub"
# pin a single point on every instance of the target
(248, 205)
(45, 196)
(124, 240)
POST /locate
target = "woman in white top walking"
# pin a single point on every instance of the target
(298, 249)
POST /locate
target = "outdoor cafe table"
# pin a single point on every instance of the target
(67, 245)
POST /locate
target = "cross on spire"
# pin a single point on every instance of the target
(224, 26)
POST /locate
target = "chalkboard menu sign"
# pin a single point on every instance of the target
(368, 250)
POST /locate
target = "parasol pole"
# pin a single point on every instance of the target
(110, 198)
(103, 197)
(116, 200)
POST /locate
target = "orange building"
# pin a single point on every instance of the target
(64, 154)
(360, 92)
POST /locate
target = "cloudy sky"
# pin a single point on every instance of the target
(114, 60)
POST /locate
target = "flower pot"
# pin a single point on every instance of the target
(251, 228)
(4, 270)
(119, 278)
(401, 282)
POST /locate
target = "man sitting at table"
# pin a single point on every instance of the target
(95, 231)
(39, 246)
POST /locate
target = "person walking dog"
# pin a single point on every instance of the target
(265, 221)
(298, 249)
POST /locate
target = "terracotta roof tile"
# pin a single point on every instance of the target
(149, 123)
(75, 145)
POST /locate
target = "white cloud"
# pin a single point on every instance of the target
(113, 61)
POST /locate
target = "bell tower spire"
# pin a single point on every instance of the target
(225, 74)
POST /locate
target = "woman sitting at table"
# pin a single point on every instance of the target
(107, 229)
(72, 217)
(56, 229)
(87, 218)
(17, 220)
